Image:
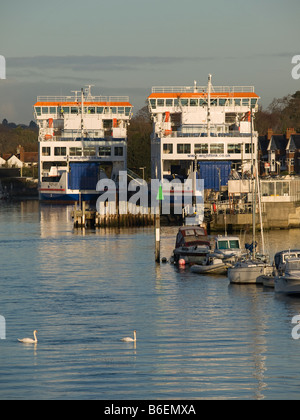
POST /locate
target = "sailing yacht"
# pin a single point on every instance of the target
(251, 270)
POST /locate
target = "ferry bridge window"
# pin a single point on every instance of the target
(153, 103)
(184, 102)
(100, 109)
(60, 151)
(113, 110)
(53, 110)
(104, 151)
(217, 148)
(118, 151)
(66, 110)
(121, 110)
(160, 102)
(45, 110)
(75, 151)
(213, 102)
(168, 148)
(91, 110)
(183, 148)
(245, 102)
(237, 102)
(253, 103)
(234, 148)
(222, 102)
(169, 102)
(89, 151)
(201, 149)
(74, 110)
(193, 102)
(46, 151)
(203, 102)
(38, 111)
(127, 111)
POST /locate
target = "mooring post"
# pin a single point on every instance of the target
(157, 235)
(159, 197)
(83, 214)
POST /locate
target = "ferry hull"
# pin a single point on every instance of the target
(68, 197)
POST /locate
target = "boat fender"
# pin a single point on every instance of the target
(181, 262)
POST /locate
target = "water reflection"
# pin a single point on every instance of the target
(199, 337)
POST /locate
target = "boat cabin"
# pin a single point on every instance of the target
(192, 236)
(227, 244)
(282, 257)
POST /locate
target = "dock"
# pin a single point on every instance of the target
(84, 216)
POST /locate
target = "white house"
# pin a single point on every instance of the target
(14, 162)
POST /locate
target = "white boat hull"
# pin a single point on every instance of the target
(249, 274)
(290, 286)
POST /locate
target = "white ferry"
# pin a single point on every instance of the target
(210, 125)
(82, 138)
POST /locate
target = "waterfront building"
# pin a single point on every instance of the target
(210, 124)
(82, 138)
(279, 152)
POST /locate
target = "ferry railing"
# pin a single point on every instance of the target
(78, 99)
(200, 89)
(189, 135)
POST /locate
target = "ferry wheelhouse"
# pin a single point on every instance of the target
(208, 124)
(82, 138)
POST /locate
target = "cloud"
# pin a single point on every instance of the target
(71, 66)
(90, 63)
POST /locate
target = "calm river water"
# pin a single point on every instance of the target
(197, 337)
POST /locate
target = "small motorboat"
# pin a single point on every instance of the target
(228, 247)
(267, 280)
(289, 282)
(279, 266)
(281, 258)
(192, 245)
(213, 265)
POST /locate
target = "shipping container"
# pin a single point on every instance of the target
(215, 174)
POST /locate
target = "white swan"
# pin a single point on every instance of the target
(30, 340)
(129, 338)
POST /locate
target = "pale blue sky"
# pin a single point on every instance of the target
(126, 47)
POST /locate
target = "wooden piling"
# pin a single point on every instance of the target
(83, 216)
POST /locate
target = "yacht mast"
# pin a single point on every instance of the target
(253, 192)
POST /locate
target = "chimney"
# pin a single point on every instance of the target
(270, 133)
(289, 132)
(21, 152)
